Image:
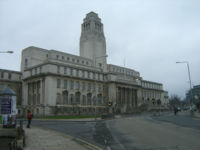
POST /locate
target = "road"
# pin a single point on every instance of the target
(166, 132)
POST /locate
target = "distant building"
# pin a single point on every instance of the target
(55, 82)
(12, 79)
(193, 95)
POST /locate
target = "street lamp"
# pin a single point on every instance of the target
(7, 52)
(95, 82)
(186, 62)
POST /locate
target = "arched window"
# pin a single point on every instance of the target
(65, 97)
(89, 97)
(77, 95)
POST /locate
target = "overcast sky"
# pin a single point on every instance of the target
(150, 35)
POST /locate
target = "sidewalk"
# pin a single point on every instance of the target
(42, 139)
(187, 113)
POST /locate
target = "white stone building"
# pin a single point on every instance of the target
(54, 82)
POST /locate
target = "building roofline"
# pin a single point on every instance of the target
(123, 68)
(152, 82)
(12, 71)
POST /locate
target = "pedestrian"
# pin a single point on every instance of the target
(29, 118)
(175, 110)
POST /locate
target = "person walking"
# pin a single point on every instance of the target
(175, 110)
(29, 118)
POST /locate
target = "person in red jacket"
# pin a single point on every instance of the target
(29, 118)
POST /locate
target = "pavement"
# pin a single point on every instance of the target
(43, 139)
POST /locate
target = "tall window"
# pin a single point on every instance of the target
(98, 76)
(83, 74)
(57, 56)
(71, 71)
(77, 97)
(58, 83)
(94, 100)
(71, 98)
(65, 97)
(83, 86)
(2, 74)
(58, 98)
(89, 97)
(35, 70)
(72, 84)
(77, 85)
(88, 75)
(26, 63)
(65, 70)
(77, 72)
(40, 69)
(9, 75)
(65, 84)
(83, 100)
(89, 86)
(94, 87)
(58, 69)
(94, 75)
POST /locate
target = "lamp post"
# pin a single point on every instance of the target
(95, 82)
(186, 62)
(7, 52)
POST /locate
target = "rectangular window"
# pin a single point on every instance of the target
(2, 75)
(83, 74)
(65, 70)
(98, 76)
(88, 75)
(71, 71)
(83, 86)
(94, 87)
(26, 63)
(65, 84)
(77, 85)
(99, 89)
(89, 86)
(9, 75)
(58, 98)
(57, 56)
(58, 69)
(63, 57)
(58, 83)
(72, 84)
(35, 70)
(94, 76)
(82, 62)
(77, 72)
(40, 69)
(73, 60)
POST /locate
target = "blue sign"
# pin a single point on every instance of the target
(5, 105)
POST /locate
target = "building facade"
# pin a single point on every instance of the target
(55, 82)
(193, 95)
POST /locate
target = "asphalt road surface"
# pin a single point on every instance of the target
(166, 132)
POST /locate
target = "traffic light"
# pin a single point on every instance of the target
(109, 104)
